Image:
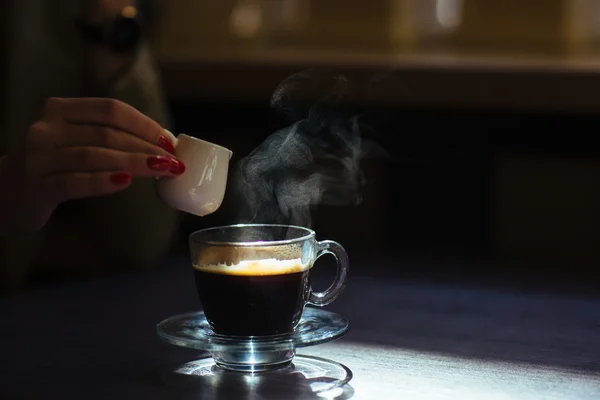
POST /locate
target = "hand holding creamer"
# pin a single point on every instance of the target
(201, 188)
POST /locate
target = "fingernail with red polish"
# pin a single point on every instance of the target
(177, 167)
(166, 144)
(159, 163)
(120, 178)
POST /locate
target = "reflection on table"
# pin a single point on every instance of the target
(97, 339)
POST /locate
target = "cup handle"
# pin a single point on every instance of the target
(321, 299)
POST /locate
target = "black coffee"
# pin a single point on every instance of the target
(239, 303)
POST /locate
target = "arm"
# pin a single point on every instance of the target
(135, 216)
(130, 227)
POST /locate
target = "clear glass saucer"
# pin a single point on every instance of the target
(305, 375)
(252, 353)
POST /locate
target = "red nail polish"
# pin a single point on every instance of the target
(120, 178)
(177, 167)
(166, 144)
(159, 163)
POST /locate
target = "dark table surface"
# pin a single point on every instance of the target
(95, 339)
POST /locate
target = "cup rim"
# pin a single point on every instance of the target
(205, 141)
(309, 234)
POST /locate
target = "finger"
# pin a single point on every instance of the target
(96, 159)
(75, 135)
(106, 112)
(170, 136)
(78, 185)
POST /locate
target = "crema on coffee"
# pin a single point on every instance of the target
(253, 297)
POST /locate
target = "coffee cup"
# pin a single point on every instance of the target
(254, 279)
(201, 188)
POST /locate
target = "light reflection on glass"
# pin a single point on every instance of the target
(331, 394)
(251, 380)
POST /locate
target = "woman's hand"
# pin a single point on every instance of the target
(80, 148)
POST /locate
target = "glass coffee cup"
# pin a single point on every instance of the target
(254, 279)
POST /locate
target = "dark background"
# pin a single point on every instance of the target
(494, 157)
(511, 189)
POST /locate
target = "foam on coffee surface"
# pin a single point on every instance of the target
(251, 260)
(269, 266)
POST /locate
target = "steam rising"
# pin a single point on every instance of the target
(314, 160)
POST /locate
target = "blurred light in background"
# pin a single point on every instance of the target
(290, 14)
(246, 18)
(197, 29)
(448, 13)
